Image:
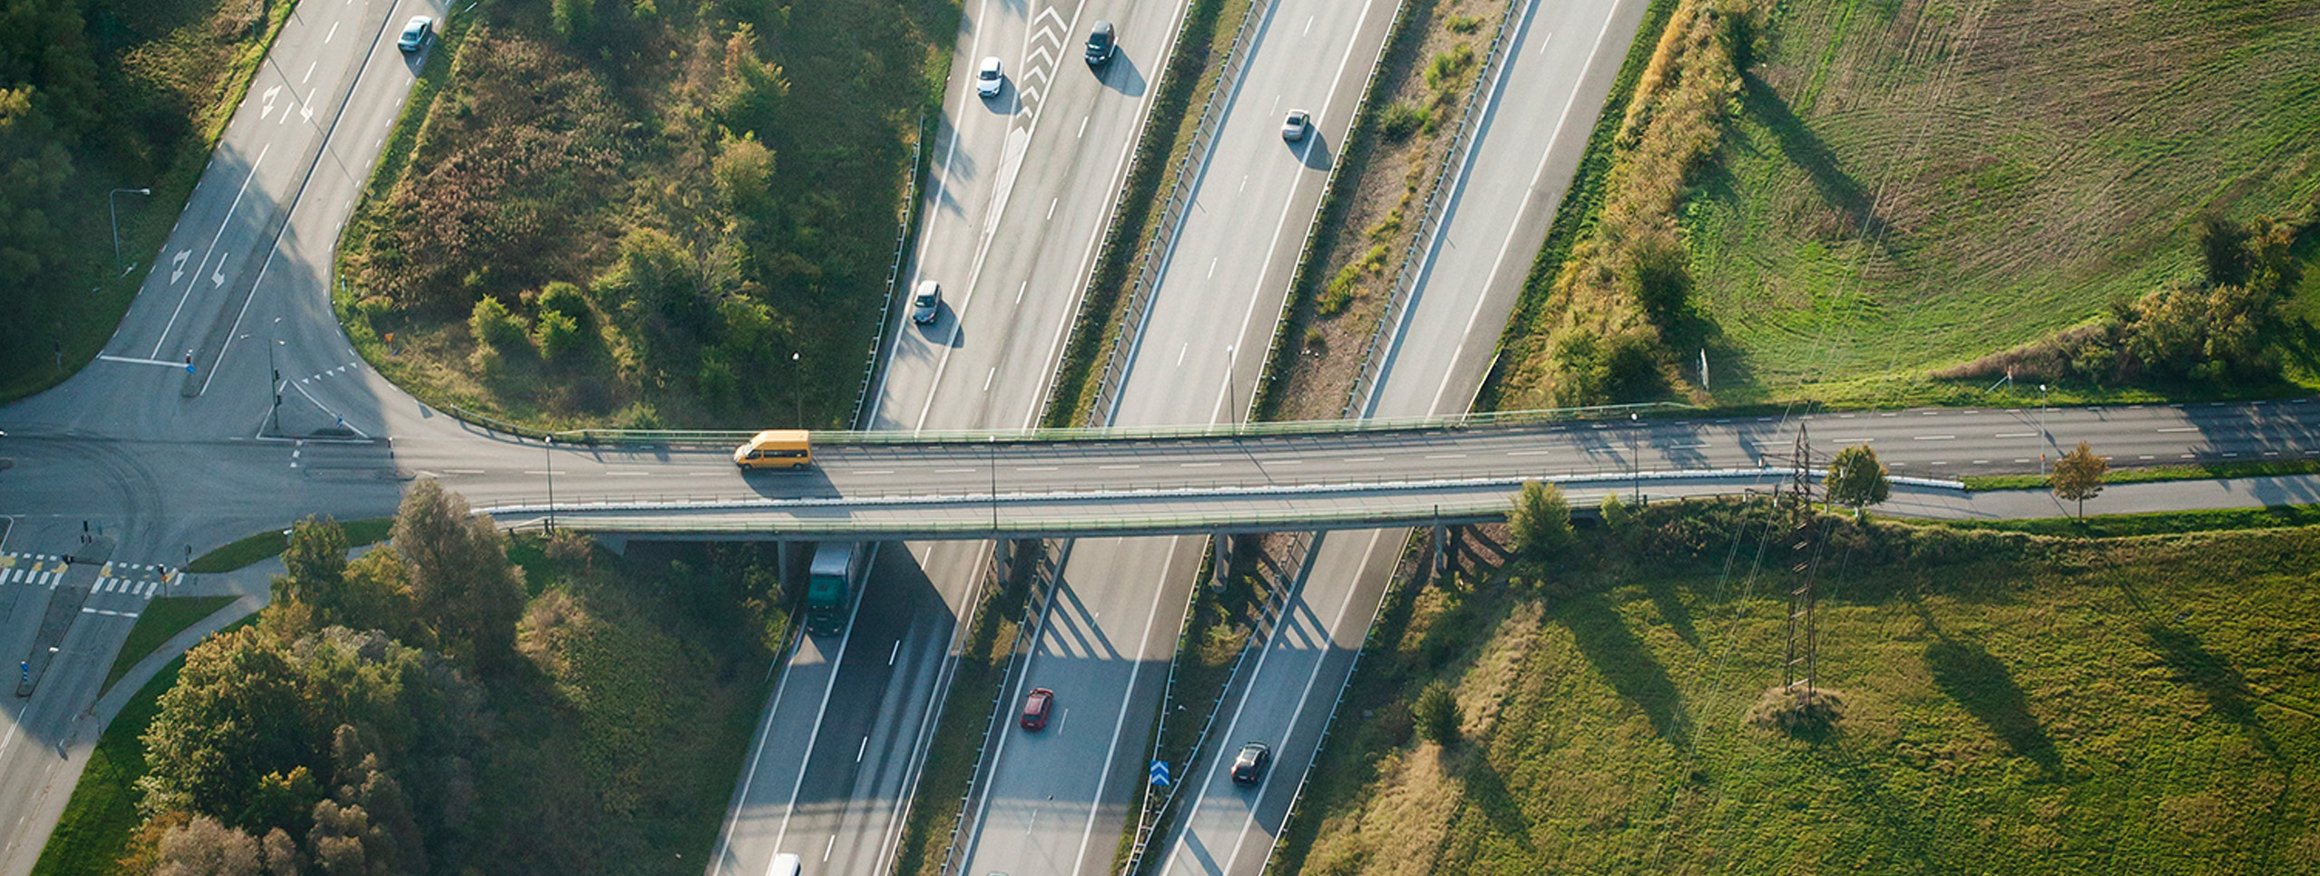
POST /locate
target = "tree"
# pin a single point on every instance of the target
(314, 562)
(460, 576)
(1540, 523)
(1857, 480)
(234, 715)
(1437, 713)
(2079, 476)
(205, 847)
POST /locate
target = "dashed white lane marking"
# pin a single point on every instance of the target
(956, 470)
(1119, 467)
(1051, 210)
(1082, 127)
(2180, 429)
(1854, 440)
(2015, 435)
(1445, 456)
(1361, 459)
(326, 38)
(1035, 468)
(987, 378)
(872, 471)
(309, 73)
(463, 471)
(1933, 437)
(1201, 464)
(1528, 452)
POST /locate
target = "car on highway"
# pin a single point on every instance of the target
(926, 302)
(1036, 707)
(1293, 128)
(775, 448)
(786, 864)
(990, 77)
(415, 34)
(1101, 45)
(1249, 766)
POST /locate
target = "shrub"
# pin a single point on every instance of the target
(564, 298)
(559, 335)
(1436, 712)
(1463, 23)
(493, 326)
(1401, 120)
(1539, 525)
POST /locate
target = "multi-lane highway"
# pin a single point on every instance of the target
(1055, 802)
(1558, 63)
(1021, 188)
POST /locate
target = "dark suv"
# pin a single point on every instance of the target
(1249, 767)
(1101, 45)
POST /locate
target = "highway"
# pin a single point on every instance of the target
(1055, 802)
(1020, 191)
(257, 230)
(1560, 59)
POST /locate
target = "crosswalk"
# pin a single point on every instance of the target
(133, 581)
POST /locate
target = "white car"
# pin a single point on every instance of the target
(926, 303)
(989, 78)
(1293, 129)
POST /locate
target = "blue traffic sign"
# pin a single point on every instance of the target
(1160, 773)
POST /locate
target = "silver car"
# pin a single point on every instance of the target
(415, 34)
(1293, 129)
(926, 303)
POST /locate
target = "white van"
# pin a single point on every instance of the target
(786, 864)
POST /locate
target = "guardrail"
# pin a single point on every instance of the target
(1430, 216)
(1179, 199)
(1150, 818)
(893, 275)
(731, 437)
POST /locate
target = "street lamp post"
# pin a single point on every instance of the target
(548, 449)
(274, 389)
(2043, 440)
(797, 386)
(1634, 462)
(112, 207)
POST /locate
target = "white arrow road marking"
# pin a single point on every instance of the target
(267, 101)
(177, 265)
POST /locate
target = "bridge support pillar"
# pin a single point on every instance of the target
(1443, 547)
(1220, 560)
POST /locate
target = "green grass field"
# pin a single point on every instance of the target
(162, 618)
(2144, 706)
(262, 545)
(1911, 186)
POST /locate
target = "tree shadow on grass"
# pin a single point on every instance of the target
(1806, 150)
(1487, 793)
(2190, 663)
(1624, 661)
(1672, 608)
(1980, 683)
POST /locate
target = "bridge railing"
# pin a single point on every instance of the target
(847, 438)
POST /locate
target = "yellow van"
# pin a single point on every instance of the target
(775, 448)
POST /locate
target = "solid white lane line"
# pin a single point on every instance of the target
(162, 341)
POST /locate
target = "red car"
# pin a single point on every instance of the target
(1035, 708)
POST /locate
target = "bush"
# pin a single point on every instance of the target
(493, 326)
(1436, 712)
(1539, 526)
(1401, 120)
(559, 335)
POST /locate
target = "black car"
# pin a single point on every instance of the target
(1101, 45)
(1249, 766)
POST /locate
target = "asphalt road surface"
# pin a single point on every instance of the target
(260, 223)
(1560, 59)
(1021, 187)
(1054, 802)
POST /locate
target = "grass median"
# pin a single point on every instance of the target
(951, 760)
(261, 546)
(162, 618)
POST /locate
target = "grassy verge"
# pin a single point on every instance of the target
(162, 618)
(1581, 207)
(2011, 705)
(2153, 523)
(1433, 60)
(950, 763)
(97, 822)
(1191, 75)
(172, 70)
(2199, 472)
(259, 546)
